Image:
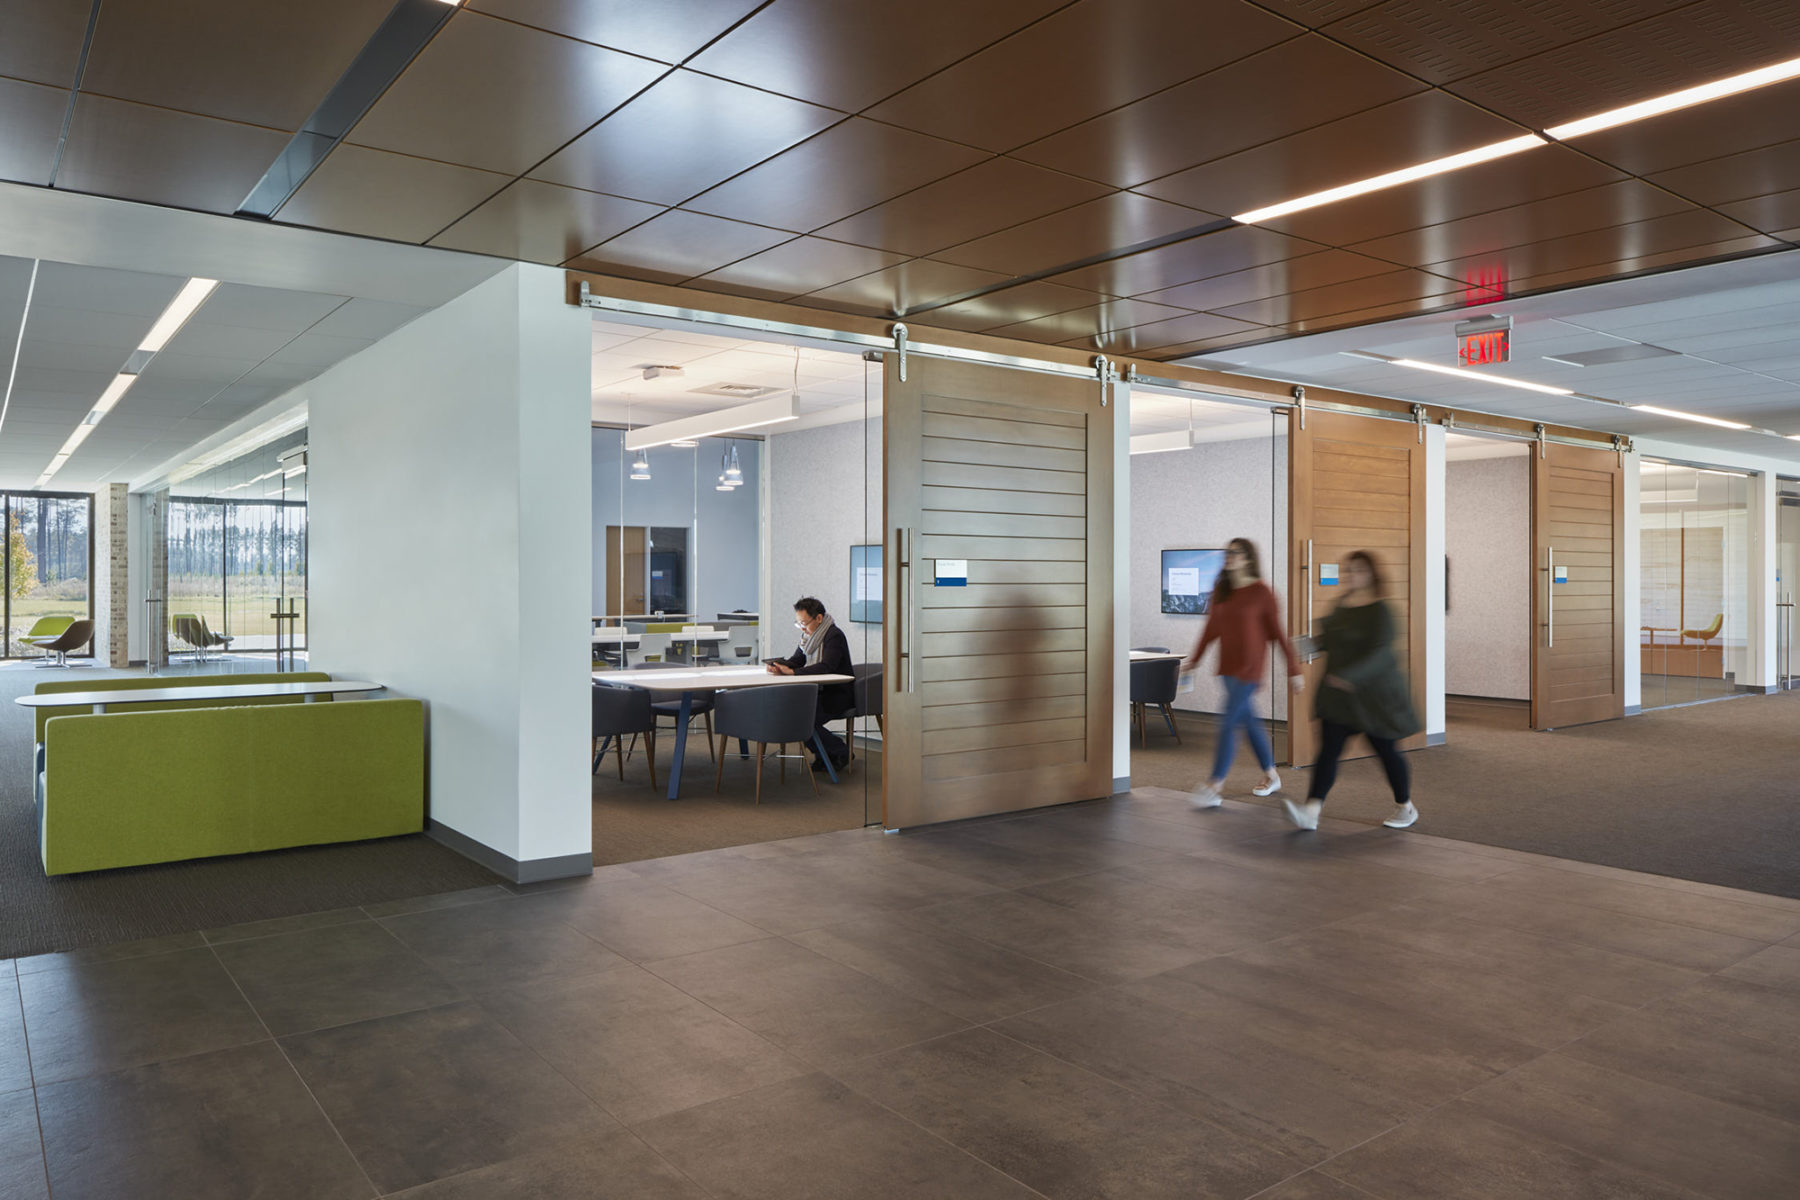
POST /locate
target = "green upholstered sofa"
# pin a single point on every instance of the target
(169, 681)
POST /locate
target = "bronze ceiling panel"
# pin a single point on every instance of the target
(1622, 243)
(1748, 121)
(1737, 176)
(899, 289)
(542, 222)
(1091, 57)
(160, 156)
(262, 64)
(993, 195)
(31, 117)
(1274, 279)
(1097, 227)
(1368, 316)
(1690, 45)
(1625, 202)
(1220, 253)
(805, 264)
(1441, 41)
(490, 94)
(678, 245)
(41, 40)
(378, 194)
(854, 165)
(1412, 130)
(684, 135)
(848, 55)
(1209, 345)
(1026, 302)
(1534, 175)
(1396, 286)
(1687, 256)
(668, 30)
(1301, 83)
(1780, 210)
(1106, 317)
(1315, 14)
(1161, 333)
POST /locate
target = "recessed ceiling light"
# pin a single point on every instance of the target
(1376, 183)
(1477, 376)
(192, 295)
(1718, 89)
(1686, 416)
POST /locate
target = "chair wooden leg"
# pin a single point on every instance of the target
(709, 731)
(650, 755)
(619, 744)
(812, 774)
(850, 739)
(760, 747)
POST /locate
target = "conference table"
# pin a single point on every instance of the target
(103, 698)
(689, 682)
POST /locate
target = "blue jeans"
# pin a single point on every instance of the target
(1238, 697)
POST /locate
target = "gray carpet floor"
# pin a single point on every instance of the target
(1707, 792)
(39, 915)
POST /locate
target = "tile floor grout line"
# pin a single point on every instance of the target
(37, 1108)
(1656, 890)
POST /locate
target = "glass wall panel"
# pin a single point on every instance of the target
(48, 563)
(1787, 575)
(1694, 582)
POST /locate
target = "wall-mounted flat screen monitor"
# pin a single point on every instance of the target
(1187, 580)
(865, 584)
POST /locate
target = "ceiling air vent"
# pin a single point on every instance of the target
(737, 391)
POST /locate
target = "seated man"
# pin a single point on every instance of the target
(823, 651)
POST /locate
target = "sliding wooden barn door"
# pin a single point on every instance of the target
(998, 495)
(1578, 593)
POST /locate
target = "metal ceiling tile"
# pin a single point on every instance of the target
(543, 222)
(1106, 317)
(31, 117)
(1317, 13)
(1615, 245)
(1758, 172)
(316, 351)
(1687, 46)
(1081, 61)
(1684, 257)
(1110, 223)
(261, 64)
(1025, 302)
(1621, 203)
(678, 245)
(1273, 279)
(378, 194)
(1767, 213)
(854, 165)
(1411, 130)
(684, 135)
(1161, 333)
(491, 94)
(246, 307)
(1301, 83)
(668, 30)
(43, 40)
(44, 354)
(371, 319)
(1442, 41)
(119, 333)
(1341, 298)
(1749, 121)
(848, 56)
(1520, 179)
(103, 289)
(197, 369)
(899, 289)
(805, 264)
(1182, 350)
(991, 196)
(159, 156)
(1228, 250)
(202, 338)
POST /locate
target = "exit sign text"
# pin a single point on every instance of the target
(1480, 349)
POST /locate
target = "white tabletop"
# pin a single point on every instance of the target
(708, 679)
(162, 695)
(1152, 656)
(716, 635)
(615, 635)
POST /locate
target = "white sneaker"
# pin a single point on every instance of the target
(1406, 816)
(1268, 787)
(1306, 816)
(1206, 796)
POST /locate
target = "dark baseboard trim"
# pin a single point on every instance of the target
(1759, 689)
(1632, 710)
(1121, 785)
(1437, 739)
(534, 870)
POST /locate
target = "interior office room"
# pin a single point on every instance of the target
(421, 424)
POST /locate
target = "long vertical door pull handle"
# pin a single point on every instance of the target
(1549, 597)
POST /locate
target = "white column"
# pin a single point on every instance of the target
(1763, 535)
(1121, 415)
(1634, 599)
(1435, 658)
(111, 576)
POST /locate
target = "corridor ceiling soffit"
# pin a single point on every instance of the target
(1025, 165)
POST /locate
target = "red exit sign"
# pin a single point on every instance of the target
(1480, 349)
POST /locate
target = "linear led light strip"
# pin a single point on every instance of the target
(1730, 86)
(19, 343)
(186, 302)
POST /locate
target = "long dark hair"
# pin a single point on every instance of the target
(1223, 587)
(1376, 584)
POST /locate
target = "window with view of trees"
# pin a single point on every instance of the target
(230, 561)
(48, 563)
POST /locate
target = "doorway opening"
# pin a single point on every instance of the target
(1694, 583)
(1487, 582)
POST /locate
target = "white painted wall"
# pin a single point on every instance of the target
(824, 497)
(1487, 535)
(450, 500)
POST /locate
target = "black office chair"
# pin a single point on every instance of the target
(1149, 649)
(78, 634)
(1154, 682)
(620, 712)
(768, 716)
(702, 706)
(867, 691)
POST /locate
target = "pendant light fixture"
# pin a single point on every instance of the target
(734, 474)
(640, 466)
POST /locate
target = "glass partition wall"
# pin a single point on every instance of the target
(49, 563)
(1694, 574)
(1787, 574)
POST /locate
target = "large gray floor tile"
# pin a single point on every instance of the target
(814, 1139)
(1205, 923)
(602, 1166)
(15, 1062)
(643, 920)
(508, 943)
(280, 925)
(424, 1095)
(1315, 1186)
(963, 976)
(1104, 949)
(1455, 1152)
(90, 1017)
(810, 1006)
(787, 895)
(414, 904)
(1710, 1148)
(332, 976)
(1074, 848)
(638, 1045)
(217, 1126)
(1755, 921)
(995, 863)
(1776, 967)
(112, 952)
(1060, 1129)
(21, 1152)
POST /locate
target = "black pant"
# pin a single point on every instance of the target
(1331, 748)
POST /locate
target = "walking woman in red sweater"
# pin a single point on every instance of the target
(1244, 618)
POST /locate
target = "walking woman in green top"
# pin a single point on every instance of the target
(1364, 692)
